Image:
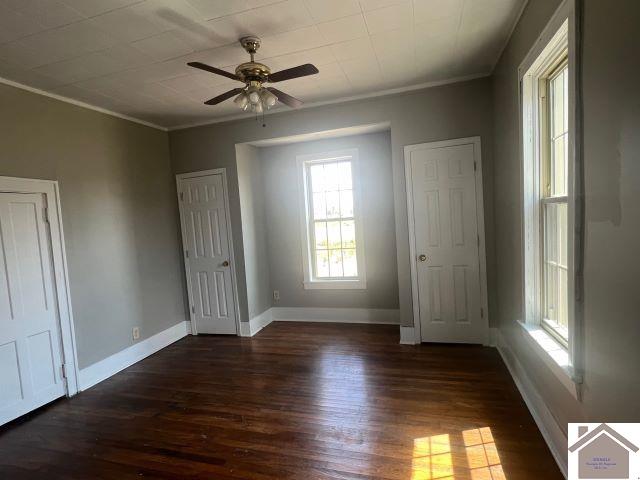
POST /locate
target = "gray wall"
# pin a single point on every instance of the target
(612, 178)
(118, 209)
(251, 187)
(612, 184)
(282, 200)
(450, 111)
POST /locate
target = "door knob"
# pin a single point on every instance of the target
(225, 264)
(422, 258)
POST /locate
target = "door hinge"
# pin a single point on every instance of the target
(482, 313)
(193, 309)
(182, 196)
(478, 240)
(45, 214)
(475, 166)
(186, 252)
(63, 370)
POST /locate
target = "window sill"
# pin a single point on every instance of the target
(554, 355)
(335, 285)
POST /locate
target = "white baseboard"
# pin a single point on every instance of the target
(336, 315)
(253, 326)
(407, 335)
(99, 371)
(554, 437)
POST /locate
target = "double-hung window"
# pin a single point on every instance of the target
(332, 227)
(549, 187)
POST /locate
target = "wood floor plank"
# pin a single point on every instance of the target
(297, 401)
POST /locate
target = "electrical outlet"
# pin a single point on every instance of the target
(136, 333)
(276, 295)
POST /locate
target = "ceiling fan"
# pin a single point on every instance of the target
(254, 95)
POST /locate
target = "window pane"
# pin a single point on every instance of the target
(557, 95)
(333, 233)
(551, 290)
(319, 206)
(321, 235)
(346, 203)
(550, 233)
(322, 263)
(317, 178)
(333, 204)
(335, 263)
(348, 234)
(331, 176)
(566, 98)
(559, 180)
(350, 263)
(562, 234)
(344, 175)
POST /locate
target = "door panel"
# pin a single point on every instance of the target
(30, 349)
(207, 244)
(446, 236)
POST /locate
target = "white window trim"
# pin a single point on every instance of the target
(309, 282)
(565, 362)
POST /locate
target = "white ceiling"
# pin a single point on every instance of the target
(129, 56)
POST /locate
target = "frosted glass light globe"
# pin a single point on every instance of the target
(241, 100)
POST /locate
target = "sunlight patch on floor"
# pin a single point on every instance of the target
(482, 455)
(432, 457)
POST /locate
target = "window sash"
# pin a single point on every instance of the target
(554, 327)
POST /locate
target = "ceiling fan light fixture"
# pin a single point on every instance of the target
(254, 94)
(268, 98)
(242, 100)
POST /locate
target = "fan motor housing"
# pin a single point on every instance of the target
(253, 71)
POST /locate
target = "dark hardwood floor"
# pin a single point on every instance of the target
(297, 401)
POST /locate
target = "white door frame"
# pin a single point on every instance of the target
(234, 284)
(51, 191)
(412, 238)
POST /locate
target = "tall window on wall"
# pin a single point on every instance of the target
(332, 226)
(548, 136)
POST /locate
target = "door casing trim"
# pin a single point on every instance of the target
(477, 146)
(234, 283)
(50, 189)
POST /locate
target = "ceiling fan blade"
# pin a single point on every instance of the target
(285, 98)
(223, 97)
(295, 72)
(217, 71)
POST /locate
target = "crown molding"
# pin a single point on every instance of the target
(379, 93)
(78, 103)
(228, 118)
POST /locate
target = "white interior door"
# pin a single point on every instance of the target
(30, 349)
(204, 221)
(447, 241)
